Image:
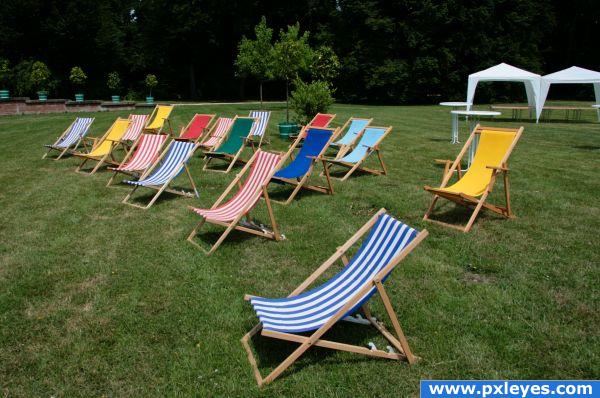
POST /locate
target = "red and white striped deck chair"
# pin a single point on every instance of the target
(136, 125)
(196, 127)
(260, 169)
(140, 156)
(217, 133)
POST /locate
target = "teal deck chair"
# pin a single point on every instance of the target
(233, 146)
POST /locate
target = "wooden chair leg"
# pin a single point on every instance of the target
(271, 214)
(78, 169)
(222, 237)
(383, 168)
(431, 207)
(129, 194)
(111, 179)
(509, 212)
(475, 212)
(62, 154)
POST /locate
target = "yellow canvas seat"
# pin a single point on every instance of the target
(158, 119)
(103, 147)
(494, 148)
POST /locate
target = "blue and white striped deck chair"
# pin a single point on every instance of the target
(348, 292)
(259, 131)
(369, 142)
(355, 127)
(169, 165)
(70, 139)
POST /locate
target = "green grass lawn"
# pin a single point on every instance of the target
(102, 299)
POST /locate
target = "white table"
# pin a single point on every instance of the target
(597, 106)
(475, 116)
(455, 106)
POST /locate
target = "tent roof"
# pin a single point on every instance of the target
(574, 74)
(504, 72)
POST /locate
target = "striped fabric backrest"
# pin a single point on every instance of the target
(263, 165)
(356, 126)
(79, 129)
(308, 311)
(171, 164)
(322, 120)
(145, 153)
(262, 121)
(196, 128)
(135, 127)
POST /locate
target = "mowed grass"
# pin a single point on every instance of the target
(102, 299)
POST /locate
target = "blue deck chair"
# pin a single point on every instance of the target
(259, 131)
(355, 127)
(70, 139)
(348, 292)
(299, 170)
(169, 165)
(369, 142)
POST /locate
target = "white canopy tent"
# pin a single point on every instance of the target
(572, 75)
(506, 73)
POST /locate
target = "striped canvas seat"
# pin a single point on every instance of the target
(261, 124)
(354, 129)
(135, 127)
(220, 130)
(250, 192)
(312, 309)
(171, 166)
(145, 153)
(78, 130)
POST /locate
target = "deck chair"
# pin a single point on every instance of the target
(472, 188)
(259, 131)
(217, 133)
(319, 120)
(169, 165)
(355, 127)
(103, 149)
(369, 143)
(70, 139)
(140, 156)
(299, 170)
(135, 127)
(232, 147)
(348, 292)
(196, 127)
(229, 214)
(158, 118)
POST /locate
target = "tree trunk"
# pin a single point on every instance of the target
(261, 98)
(287, 102)
(192, 81)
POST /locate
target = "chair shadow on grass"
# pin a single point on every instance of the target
(271, 352)
(143, 198)
(280, 192)
(454, 214)
(587, 147)
(207, 237)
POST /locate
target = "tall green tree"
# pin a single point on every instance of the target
(255, 57)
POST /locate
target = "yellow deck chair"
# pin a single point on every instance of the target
(472, 188)
(102, 151)
(158, 118)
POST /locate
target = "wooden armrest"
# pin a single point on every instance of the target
(248, 297)
(442, 161)
(498, 168)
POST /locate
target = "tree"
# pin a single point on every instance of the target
(4, 72)
(40, 76)
(113, 81)
(255, 57)
(291, 56)
(151, 82)
(308, 99)
(77, 76)
(326, 65)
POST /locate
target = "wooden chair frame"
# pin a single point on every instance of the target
(396, 339)
(250, 140)
(470, 201)
(357, 166)
(63, 151)
(165, 186)
(244, 213)
(302, 182)
(208, 127)
(343, 149)
(166, 120)
(128, 155)
(102, 159)
(233, 159)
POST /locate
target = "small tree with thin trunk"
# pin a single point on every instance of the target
(255, 57)
(291, 55)
(151, 82)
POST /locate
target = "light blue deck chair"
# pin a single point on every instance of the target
(70, 139)
(348, 292)
(299, 170)
(355, 127)
(369, 143)
(169, 165)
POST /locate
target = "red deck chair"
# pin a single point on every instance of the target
(196, 127)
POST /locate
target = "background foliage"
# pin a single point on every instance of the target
(409, 51)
